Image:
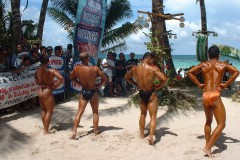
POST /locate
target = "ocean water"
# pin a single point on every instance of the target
(186, 61)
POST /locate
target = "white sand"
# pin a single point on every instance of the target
(179, 135)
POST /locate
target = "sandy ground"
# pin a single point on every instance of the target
(179, 135)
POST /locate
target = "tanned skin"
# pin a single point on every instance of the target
(85, 76)
(212, 72)
(142, 77)
(44, 77)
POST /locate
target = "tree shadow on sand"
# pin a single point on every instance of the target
(101, 129)
(11, 140)
(221, 142)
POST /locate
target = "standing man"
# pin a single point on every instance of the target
(88, 78)
(131, 63)
(212, 72)
(108, 67)
(142, 77)
(121, 70)
(45, 79)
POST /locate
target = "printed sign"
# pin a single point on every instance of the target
(89, 27)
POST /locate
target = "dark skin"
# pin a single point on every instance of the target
(213, 71)
(85, 76)
(144, 76)
(45, 78)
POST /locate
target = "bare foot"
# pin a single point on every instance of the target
(74, 135)
(47, 132)
(208, 152)
(96, 133)
(150, 140)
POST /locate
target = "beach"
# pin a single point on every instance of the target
(179, 134)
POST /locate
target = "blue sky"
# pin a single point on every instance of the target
(222, 17)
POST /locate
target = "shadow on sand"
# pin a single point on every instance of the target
(11, 140)
(161, 132)
(221, 143)
(101, 130)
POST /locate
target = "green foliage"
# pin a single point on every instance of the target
(236, 97)
(226, 51)
(155, 47)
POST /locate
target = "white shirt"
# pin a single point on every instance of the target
(107, 70)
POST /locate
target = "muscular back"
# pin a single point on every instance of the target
(86, 75)
(144, 76)
(213, 73)
(45, 76)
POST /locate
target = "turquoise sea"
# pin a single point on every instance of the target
(186, 61)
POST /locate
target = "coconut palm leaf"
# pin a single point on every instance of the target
(118, 47)
(59, 16)
(117, 11)
(69, 6)
(119, 34)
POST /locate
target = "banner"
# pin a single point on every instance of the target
(201, 47)
(15, 89)
(58, 63)
(89, 27)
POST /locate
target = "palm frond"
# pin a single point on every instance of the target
(120, 33)
(59, 16)
(69, 6)
(117, 10)
(117, 47)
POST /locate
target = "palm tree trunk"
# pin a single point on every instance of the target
(42, 19)
(1, 17)
(16, 19)
(204, 21)
(158, 29)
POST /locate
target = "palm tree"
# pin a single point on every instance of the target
(29, 29)
(64, 13)
(158, 30)
(42, 19)
(16, 20)
(203, 21)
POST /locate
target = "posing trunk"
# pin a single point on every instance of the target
(16, 19)
(42, 19)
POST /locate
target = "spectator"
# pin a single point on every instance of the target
(120, 74)
(132, 61)
(34, 56)
(108, 66)
(49, 51)
(58, 51)
(43, 50)
(3, 61)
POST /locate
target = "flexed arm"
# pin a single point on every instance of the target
(161, 77)
(192, 75)
(129, 78)
(234, 74)
(73, 76)
(59, 77)
(103, 77)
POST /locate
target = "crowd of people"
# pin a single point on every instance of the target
(28, 54)
(115, 70)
